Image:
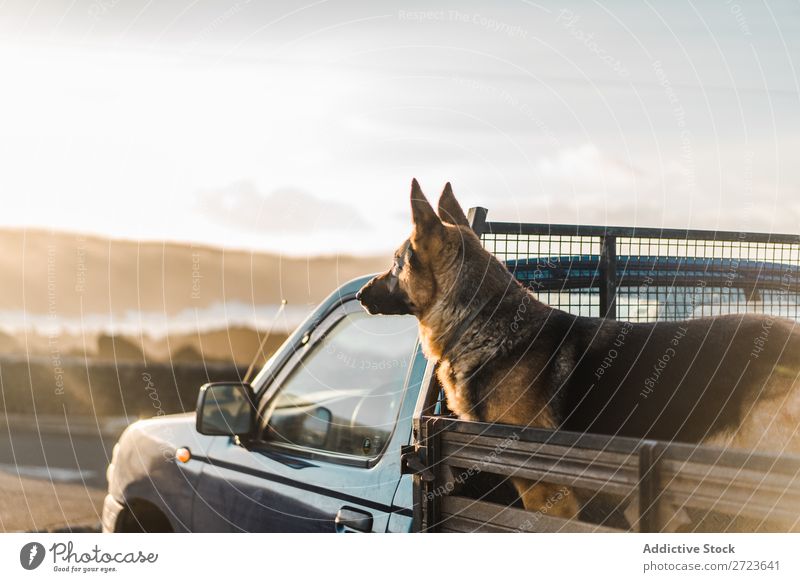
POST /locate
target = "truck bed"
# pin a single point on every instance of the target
(623, 484)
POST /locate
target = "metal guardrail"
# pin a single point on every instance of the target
(648, 274)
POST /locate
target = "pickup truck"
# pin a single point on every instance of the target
(344, 429)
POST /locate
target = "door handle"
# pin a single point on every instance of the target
(350, 519)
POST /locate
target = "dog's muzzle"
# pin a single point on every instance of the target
(383, 296)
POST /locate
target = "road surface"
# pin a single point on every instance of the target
(52, 479)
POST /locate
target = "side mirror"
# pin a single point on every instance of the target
(226, 408)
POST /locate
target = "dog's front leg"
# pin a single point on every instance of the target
(546, 498)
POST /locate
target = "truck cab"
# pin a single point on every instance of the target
(334, 406)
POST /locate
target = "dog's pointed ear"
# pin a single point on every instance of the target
(425, 219)
(449, 208)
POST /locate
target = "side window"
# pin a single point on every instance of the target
(345, 395)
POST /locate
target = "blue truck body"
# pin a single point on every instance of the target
(352, 477)
(264, 486)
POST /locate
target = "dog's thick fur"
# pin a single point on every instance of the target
(729, 380)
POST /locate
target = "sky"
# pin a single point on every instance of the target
(297, 127)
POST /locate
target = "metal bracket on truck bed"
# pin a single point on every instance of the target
(411, 463)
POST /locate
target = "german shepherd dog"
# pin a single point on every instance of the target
(503, 356)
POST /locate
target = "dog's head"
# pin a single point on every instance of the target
(427, 263)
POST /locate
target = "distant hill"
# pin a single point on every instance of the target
(66, 274)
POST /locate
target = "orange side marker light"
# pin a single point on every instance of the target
(183, 454)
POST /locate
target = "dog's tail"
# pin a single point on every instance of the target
(791, 355)
(781, 338)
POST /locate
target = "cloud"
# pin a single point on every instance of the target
(584, 184)
(285, 210)
(587, 185)
(586, 168)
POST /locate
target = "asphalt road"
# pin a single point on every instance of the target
(51, 478)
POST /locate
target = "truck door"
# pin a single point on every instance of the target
(328, 419)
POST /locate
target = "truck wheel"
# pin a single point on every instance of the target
(142, 517)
